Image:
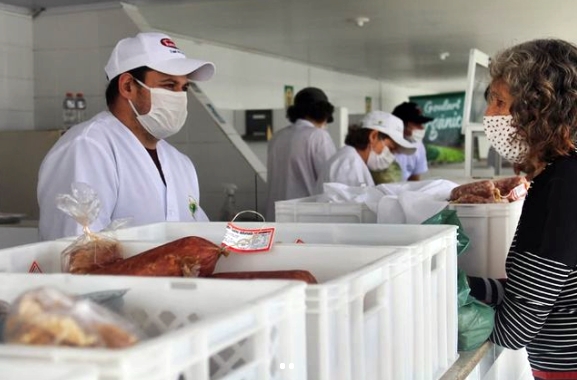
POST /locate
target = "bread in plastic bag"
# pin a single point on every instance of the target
(90, 250)
(47, 316)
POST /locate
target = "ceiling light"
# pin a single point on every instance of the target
(444, 55)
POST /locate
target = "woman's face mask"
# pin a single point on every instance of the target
(501, 135)
(382, 161)
(168, 111)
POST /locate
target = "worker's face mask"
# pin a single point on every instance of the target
(168, 111)
(418, 134)
(501, 135)
(382, 161)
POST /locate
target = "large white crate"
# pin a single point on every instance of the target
(510, 365)
(491, 229)
(429, 346)
(29, 369)
(367, 318)
(310, 210)
(201, 328)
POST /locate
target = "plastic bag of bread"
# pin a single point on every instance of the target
(91, 250)
(47, 316)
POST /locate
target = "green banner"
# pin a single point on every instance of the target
(443, 138)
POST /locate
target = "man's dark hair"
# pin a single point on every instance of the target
(312, 103)
(112, 89)
(358, 137)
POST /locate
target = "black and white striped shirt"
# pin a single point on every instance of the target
(539, 310)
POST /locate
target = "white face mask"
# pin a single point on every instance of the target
(378, 162)
(501, 135)
(418, 134)
(168, 111)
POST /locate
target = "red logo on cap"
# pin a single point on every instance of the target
(168, 43)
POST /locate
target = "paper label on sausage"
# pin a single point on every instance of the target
(517, 193)
(248, 240)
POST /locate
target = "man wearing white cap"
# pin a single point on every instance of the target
(370, 147)
(121, 153)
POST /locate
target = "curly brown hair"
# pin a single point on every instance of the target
(542, 80)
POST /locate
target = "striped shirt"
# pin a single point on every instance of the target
(539, 308)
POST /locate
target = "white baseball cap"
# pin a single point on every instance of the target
(158, 52)
(391, 126)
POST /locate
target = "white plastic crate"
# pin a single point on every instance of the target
(429, 347)
(346, 273)
(201, 328)
(510, 365)
(491, 229)
(27, 369)
(309, 210)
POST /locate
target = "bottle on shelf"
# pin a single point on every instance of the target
(80, 103)
(68, 111)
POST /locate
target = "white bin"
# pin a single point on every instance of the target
(491, 229)
(29, 369)
(510, 365)
(309, 210)
(367, 318)
(201, 329)
(433, 346)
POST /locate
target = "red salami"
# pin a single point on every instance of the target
(482, 189)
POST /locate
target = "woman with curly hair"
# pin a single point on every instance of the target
(531, 120)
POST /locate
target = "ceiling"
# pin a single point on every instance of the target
(402, 43)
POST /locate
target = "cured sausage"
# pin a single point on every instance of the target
(301, 275)
(188, 256)
(498, 191)
(484, 189)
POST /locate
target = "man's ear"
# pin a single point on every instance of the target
(127, 86)
(373, 136)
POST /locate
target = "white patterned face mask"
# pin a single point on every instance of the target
(501, 135)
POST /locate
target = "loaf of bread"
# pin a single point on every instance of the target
(46, 316)
(91, 255)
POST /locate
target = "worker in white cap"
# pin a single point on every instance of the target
(368, 147)
(121, 153)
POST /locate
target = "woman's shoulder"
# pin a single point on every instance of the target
(566, 165)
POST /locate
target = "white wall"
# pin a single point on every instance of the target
(16, 70)
(70, 51)
(72, 58)
(246, 80)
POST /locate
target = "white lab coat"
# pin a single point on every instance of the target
(346, 167)
(296, 155)
(415, 163)
(106, 155)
